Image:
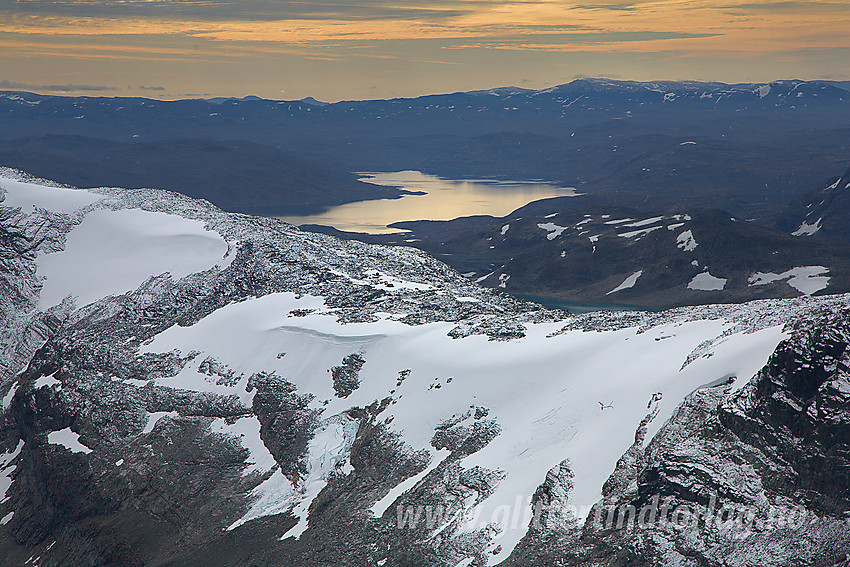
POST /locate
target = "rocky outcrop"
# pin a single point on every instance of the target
(346, 376)
(798, 413)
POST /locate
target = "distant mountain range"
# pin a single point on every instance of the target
(748, 148)
(840, 84)
(708, 151)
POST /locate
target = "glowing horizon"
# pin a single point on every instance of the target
(337, 50)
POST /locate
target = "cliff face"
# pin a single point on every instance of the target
(184, 386)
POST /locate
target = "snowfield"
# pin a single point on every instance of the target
(31, 195)
(112, 252)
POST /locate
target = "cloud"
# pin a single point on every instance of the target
(157, 88)
(249, 9)
(572, 42)
(4, 84)
(621, 7)
(790, 6)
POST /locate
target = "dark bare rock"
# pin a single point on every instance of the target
(346, 376)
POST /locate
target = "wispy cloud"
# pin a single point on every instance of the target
(624, 7)
(256, 10)
(577, 41)
(810, 6)
(12, 85)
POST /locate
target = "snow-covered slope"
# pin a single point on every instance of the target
(537, 388)
(273, 389)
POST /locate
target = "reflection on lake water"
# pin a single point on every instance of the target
(445, 199)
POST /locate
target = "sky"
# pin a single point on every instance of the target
(341, 50)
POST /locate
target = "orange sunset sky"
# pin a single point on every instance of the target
(336, 50)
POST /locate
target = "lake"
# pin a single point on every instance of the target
(577, 308)
(444, 199)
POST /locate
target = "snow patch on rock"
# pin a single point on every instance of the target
(644, 222)
(381, 505)
(553, 229)
(706, 282)
(638, 233)
(7, 399)
(247, 431)
(67, 439)
(805, 279)
(154, 417)
(627, 283)
(6, 470)
(807, 229)
(48, 381)
(686, 241)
